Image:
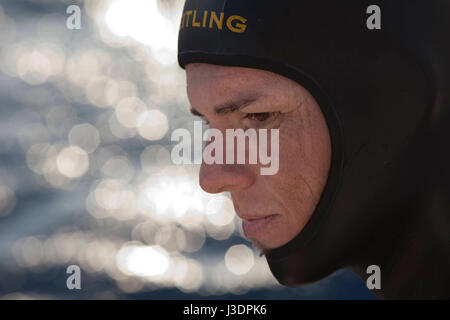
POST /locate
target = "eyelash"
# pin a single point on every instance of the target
(248, 115)
(268, 114)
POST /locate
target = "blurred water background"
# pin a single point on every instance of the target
(85, 170)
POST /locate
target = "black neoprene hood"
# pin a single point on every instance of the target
(378, 90)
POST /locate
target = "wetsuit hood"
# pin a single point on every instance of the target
(383, 94)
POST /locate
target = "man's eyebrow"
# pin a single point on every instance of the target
(227, 107)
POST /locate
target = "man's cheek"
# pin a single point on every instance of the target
(290, 153)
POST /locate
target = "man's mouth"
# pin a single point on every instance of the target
(255, 226)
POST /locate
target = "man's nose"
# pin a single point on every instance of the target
(216, 178)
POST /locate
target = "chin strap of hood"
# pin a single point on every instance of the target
(377, 90)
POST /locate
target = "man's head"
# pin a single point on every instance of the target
(352, 179)
(280, 205)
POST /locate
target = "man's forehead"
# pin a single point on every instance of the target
(213, 87)
(205, 83)
(215, 75)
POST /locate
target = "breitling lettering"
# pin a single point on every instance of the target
(213, 20)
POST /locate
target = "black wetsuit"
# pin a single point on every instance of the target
(385, 94)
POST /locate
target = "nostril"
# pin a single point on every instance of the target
(207, 180)
(206, 186)
(217, 178)
(212, 181)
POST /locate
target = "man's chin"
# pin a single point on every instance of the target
(259, 246)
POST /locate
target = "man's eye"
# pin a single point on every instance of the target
(263, 116)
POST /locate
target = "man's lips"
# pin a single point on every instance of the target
(253, 226)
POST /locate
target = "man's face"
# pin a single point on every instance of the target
(274, 208)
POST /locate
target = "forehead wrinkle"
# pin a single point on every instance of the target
(229, 79)
(223, 86)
